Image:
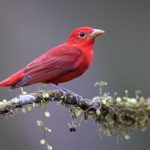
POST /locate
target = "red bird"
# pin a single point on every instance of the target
(59, 64)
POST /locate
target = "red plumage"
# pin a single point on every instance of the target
(59, 64)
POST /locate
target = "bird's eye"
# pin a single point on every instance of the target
(82, 34)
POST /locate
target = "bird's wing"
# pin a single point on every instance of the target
(53, 64)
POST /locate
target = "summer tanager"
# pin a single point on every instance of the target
(59, 64)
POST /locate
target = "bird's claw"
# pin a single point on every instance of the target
(75, 96)
(66, 92)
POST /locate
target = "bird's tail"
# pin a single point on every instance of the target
(13, 79)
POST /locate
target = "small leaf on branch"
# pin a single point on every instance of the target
(47, 114)
(42, 142)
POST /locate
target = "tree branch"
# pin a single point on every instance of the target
(42, 96)
(114, 115)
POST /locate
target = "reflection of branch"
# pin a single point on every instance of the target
(114, 115)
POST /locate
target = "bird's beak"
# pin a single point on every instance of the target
(96, 32)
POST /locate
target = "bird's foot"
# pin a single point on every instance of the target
(61, 89)
(65, 92)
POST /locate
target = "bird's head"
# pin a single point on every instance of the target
(84, 35)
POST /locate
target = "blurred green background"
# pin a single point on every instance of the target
(30, 27)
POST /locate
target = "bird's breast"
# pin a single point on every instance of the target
(87, 57)
(80, 66)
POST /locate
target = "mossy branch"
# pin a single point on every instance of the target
(114, 115)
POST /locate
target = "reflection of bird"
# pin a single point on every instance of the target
(60, 64)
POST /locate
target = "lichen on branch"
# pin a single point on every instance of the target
(114, 115)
